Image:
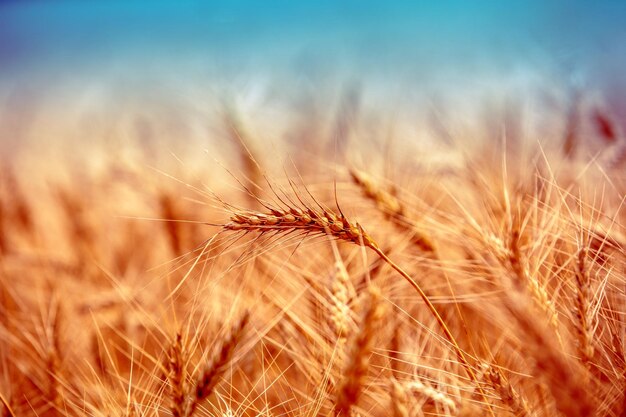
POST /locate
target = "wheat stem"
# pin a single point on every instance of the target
(432, 309)
(326, 222)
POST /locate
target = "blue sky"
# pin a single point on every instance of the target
(414, 41)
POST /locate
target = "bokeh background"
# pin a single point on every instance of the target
(480, 143)
(69, 65)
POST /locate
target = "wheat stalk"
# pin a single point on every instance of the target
(326, 222)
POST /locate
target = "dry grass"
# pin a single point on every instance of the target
(259, 289)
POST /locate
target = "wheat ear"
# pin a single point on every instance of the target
(218, 363)
(339, 297)
(354, 376)
(538, 292)
(177, 378)
(565, 380)
(398, 399)
(507, 393)
(339, 227)
(391, 206)
(336, 225)
(309, 221)
(583, 295)
(433, 394)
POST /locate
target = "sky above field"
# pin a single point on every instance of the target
(367, 37)
(419, 45)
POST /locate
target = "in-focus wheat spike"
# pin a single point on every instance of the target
(219, 362)
(507, 393)
(355, 374)
(391, 206)
(309, 221)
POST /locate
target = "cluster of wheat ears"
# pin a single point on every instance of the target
(494, 285)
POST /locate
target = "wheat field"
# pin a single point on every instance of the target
(312, 264)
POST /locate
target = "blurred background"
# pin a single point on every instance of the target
(77, 65)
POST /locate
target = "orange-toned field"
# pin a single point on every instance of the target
(321, 260)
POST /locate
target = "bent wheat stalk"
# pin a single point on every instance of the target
(324, 221)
